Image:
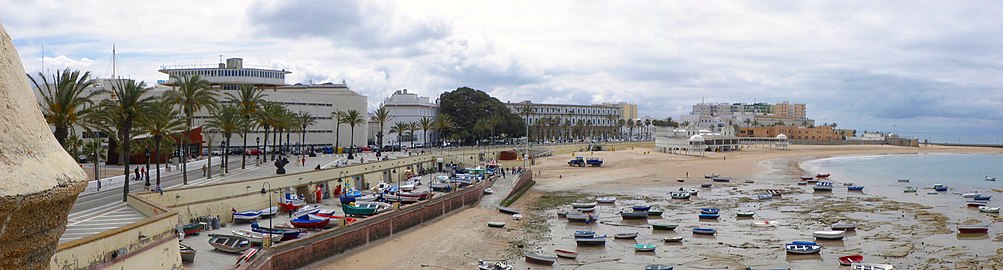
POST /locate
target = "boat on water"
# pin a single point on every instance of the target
(709, 216)
(987, 209)
(246, 216)
(305, 221)
(664, 226)
(903, 180)
(606, 200)
(855, 188)
(591, 241)
(673, 239)
(973, 229)
(535, 258)
(496, 224)
(970, 194)
(508, 210)
(909, 190)
(634, 215)
(871, 266)
(657, 267)
(257, 238)
(709, 210)
(566, 254)
(641, 208)
(271, 211)
(358, 210)
(822, 175)
(823, 186)
(844, 227)
(848, 260)
(578, 217)
(585, 234)
(745, 214)
(982, 198)
(976, 203)
(496, 265)
(802, 248)
(680, 195)
(229, 243)
(583, 205)
(990, 178)
(644, 247)
(829, 235)
(187, 253)
(627, 235)
(286, 234)
(655, 212)
(704, 231)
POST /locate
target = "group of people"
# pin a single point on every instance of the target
(141, 172)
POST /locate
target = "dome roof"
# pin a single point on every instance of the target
(782, 137)
(696, 138)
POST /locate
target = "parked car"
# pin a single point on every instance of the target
(253, 151)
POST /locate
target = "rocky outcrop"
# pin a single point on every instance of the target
(39, 181)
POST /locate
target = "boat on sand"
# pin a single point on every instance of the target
(871, 266)
(540, 259)
(848, 260)
(566, 253)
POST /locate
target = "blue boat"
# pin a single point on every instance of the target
(805, 243)
(708, 231)
(709, 210)
(940, 188)
(640, 208)
(246, 216)
(286, 234)
(657, 267)
(982, 198)
(855, 188)
(802, 249)
(585, 234)
(709, 216)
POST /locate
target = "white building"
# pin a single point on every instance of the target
(605, 116)
(408, 108)
(694, 141)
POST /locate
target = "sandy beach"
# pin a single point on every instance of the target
(887, 231)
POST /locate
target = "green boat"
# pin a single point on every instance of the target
(496, 224)
(654, 212)
(662, 226)
(746, 214)
(644, 247)
(355, 210)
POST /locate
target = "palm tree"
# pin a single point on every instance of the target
(248, 99)
(123, 111)
(305, 120)
(493, 122)
(96, 151)
(264, 118)
(412, 127)
(442, 123)
(72, 145)
(382, 116)
(339, 117)
(647, 128)
(63, 100)
(400, 128)
(353, 118)
(193, 94)
(425, 123)
(226, 120)
(160, 119)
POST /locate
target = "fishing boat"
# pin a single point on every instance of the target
(290, 202)
(271, 211)
(680, 195)
(822, 175)
(305, 221)
(634, 215)
(627, 235)
(903, 180)
(496, 224)
(246, 216)
(829, 235)
(705, 231)
(583, 205)
(823, 186)
(441, 187)
(606, 200)
(641, 208)
(848, 260)
(578, 217)
(657, 267)
(644, 247)
(855, 188)
(764, 197)
(664, 226)
(721, 179)
(655, 212)
(187, 253)
(709, 216)
(309, 209)
(192, 228)
(844, 227)
(357, 210)
(987, 209)
(680, 180)
(807, 177)
(257, 238)
(973, 229)
(540, 259)
(909, 190)
(976, 203)
(585, 234)
(566, 253)
(871, 266)
(971, 194)
(982, 198)
(765, 223)
(286, 234)
(591, 241)
(229, 243)
(941, 189)
(775, 192)
(673, 239)
(707, 185)
(380, 206)
(508, 210)
(802, 183)
(802, 248)
(489, 191)
(709, 210)
(745, 214)
(585, 210)
(990, 178)
(496, 265)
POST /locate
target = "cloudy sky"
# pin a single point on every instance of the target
(930, 68)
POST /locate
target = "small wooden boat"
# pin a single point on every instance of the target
(804, 243)
(693, 191)
(764, 197)
(246, 255)
(489, 191)
(357, 210)
(305, 221)
(909, 190)
(441, 187)
(721, 179)
(775, 192)
(566, 253)
(380, 206)
(229, 243)
(973, 229)
(577, 217)
(654, 212)
(844, 227)
(187, 254)
(585, 234)
(540, 259)
(871, 266)
(627, 235)
(802, 183)
(848, 260)
(707, 185)
(829, 235)
(585, 210)
(641, 208)
(990, 178)
(823, 186)
(903, 180)
(246, 216)
(496, 224)
(584, 205)
(255, 237)
(807, 177)
(765, 223)
(508, 210)
(705, 231)
(663, 226)
(710, 176)
(644, 247)
(822, 175)
(192, 228)
(562, 213)
(802, 249)
(673, 239)
(606, 200)
(680, 195)
(976, 203)
(286, 234)
(657, 267)
(709, 216)
(591, 241)
(271, 211)
(496, 265)
(982, 198)
(680, 180)
(745, 214)
(634, 215)
(971, 194)
(709, 210)
(938, 185)
(308, 209)
(987, 209)
(855, 188)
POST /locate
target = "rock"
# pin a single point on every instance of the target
(40, 181)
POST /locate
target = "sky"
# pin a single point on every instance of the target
(924, 68)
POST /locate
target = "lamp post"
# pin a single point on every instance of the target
(147, 167)
(257, 157)
(222, 158)
(263, 191)
(399, 201)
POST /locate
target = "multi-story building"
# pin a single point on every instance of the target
(408, 108)
(821, 133)
(553, 121)
(790, 110)
(629, 109)
(716, 115)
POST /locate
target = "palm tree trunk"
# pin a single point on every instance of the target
(243, 154)
(264, 147)
(156, 144)
(275, 132)
(184, 152)
(226, 155)
(337, 136)
(61, 133)
(124, 136)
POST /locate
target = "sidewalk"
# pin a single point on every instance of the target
(168, 170)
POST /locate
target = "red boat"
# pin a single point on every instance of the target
(973, 229)
(331, 215)
(288, 207)
(822, 175)
(566, 253)
(848, 260)
(976, 203)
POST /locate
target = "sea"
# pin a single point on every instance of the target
(961, 171)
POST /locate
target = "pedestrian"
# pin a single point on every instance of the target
(687, 174)
(204, 168)
(137, 174)
(160, 189)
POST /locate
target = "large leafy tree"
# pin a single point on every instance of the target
(160, 120)
(266, 117)
(193, 94)
(227, 120)
(466, 106)
(248, 99)
(381, 116)
(63, 100)
(123, 111)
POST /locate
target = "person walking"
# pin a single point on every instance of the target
(137, 174)
(204, 168)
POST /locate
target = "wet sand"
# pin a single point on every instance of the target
(911, 232)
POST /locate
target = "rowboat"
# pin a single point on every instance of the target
(509, 210)
(644, 247)
(990, 178)
(973, 229)
(566, 253)
(844, 227)
(987, 209)
(269, 211)
(976, 203)
(721, 179)
(848, 260)
(707, 231)
(286, 234)
(693, 191)
(583, 205)
(673, 239)
(971, 194)
(802, 249)
(562, 213)
(440, 187)
(855, 188)
(903, 180)
(496, 224)
(764, 197)
(496, 265)
(256, 238)
(187, 253)
(663, 226)
(655, 212)
(775, 192)
(822, 175)
(606, 200)
(938, 185)
(640, 208)
(229, 243)
(941, 189)
(909, 189)
(246, 255)
(380, 206)
(823, 186)
(634, 215)
(578, 217)
(871, 266)
(710, 176)
(308, 209)
(709, 216)
(590, 209)
(807, 177)
(305, 221)
(192, 228)
(707, 185)
(805, 243)
(745, 214)
(628, 235)
(709, 210)
(829, 235)
(765, 223)
(540, 259)
(357, 210)
(680, 195)
(585, 234)
(657, 267)
(591, 241)
(246, 216)
(982, 198)
(680, 180)
(489, 191)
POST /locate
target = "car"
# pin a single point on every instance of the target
(253, 151)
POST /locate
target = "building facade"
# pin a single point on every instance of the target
(557, 122)
(822, 133)
(408, 108)
(717, 115)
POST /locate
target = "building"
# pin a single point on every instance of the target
(821, 133)
(789, 110)
(629, 109)
(228, 76)
(408, 108)
(694, 141)
(558, 122)
(717, 115)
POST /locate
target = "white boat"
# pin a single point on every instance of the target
(680, 195)
(309, 209)
(256, 238)
(583, 205)
(367, 198)
(987, 209)
(269, 211)
(990, 178)
(938, 185)
(585, 210)
(489, 191)
(606, 199)
(871, 266)
(829, 235)
(823, 186)
(765, 223)
(380, 206)
(408, 187)
(971, 194)
(246, 216)
(694, 191)
(516, 216)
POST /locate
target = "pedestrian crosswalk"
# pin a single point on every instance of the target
(98, 219)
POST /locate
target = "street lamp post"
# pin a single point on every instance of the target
(147, 167)
(263, 191)
(222, 158)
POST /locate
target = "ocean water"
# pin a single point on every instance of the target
(955, 170)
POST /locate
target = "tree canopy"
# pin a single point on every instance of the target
(466, 106)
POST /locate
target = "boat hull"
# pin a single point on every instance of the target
(540, 259)
(625, 235)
